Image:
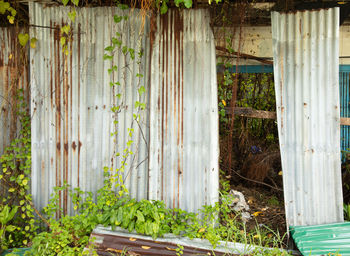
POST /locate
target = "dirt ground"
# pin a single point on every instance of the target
(266, 206)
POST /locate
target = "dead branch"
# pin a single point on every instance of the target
(244, 55)
(255, 181)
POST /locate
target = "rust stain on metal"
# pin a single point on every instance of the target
(57, 73)
(179, 27)
(281, 88)
(170, 99)
(164, 26)
(153, 29)
(66, 147)
(74, 146)
(66, 127)
(170, 88)
(42, 168)
(79, 39)
(51, 76)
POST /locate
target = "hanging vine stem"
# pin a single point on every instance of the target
(119, 175)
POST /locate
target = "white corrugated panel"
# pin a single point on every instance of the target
(72, 99)
(184, 141)
(306, 52)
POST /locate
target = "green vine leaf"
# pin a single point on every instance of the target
(65, 29)
(33, 42)
(107, 57)
(63, 40)
(117, 18)
(75, 2)
(4, 6)
(178, 2)
(109, 48)
(65, 2)
(23, 39)
(141, 90)
(163, 8)
(188, 3)
(72, 15)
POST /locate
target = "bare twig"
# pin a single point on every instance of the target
(38, 213)
(255, 181)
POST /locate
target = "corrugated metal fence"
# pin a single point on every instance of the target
(71, 101)
(306, 70)
(13, 76)
(184, 147)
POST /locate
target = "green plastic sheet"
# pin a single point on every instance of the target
(328, 239)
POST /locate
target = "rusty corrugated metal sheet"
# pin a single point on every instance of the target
(113, 242)
(13, 76)
(71, 100)
(306, 68)
(184, 141)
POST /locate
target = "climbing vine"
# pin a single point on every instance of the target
(16, 206)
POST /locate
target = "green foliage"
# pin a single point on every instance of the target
(15, 177)
(5, 8)
(163, 5)
(347, 212)
(225, 95)
(74, 2)
(23, 39)
(66, 33)
(6, 215)
(273, 201)
(256, 91)
(69, 235)
(186, 3)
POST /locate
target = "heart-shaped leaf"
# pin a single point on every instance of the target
(11, 19)
(72, 15)
(23, 39)
(188, 3)
(33, 42)
(163, 8)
